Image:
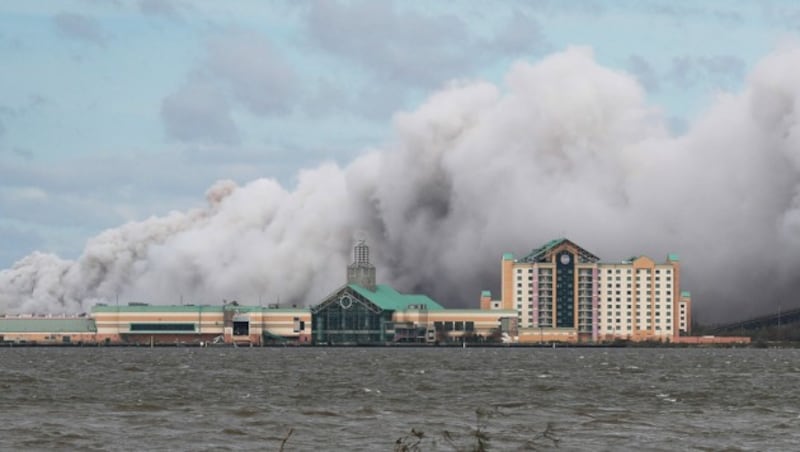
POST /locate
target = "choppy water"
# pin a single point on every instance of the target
(368, 398)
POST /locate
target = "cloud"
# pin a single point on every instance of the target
(17, 240)
(80, 27)
(409, 51)
(199, 112)
(565, 147)
(241, 69)
(161, 8)
(521, 35)
(641, 68)
(258, 76)
(719, 70)
(728, 17)
(402, 46)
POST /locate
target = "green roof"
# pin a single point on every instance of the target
(673, 257)
(686, 293)
(156, 308)
(508, 256)
(486, 293)
(190, 308)
(46, 325)
(388, 299)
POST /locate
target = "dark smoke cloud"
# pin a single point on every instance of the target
(565, 148)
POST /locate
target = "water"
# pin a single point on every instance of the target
(369, 398)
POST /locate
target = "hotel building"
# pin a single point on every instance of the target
(562, 292)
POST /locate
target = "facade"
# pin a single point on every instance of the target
(562, 292)
(139, 323)
(360, 312)
(557, 293)
(363, 312)
(51, 330)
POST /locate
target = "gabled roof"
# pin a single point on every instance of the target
(389, 299)
(542, 253)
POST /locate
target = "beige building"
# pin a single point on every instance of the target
(561, 292)
(139, 323)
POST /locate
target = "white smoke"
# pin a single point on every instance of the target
(565, 148)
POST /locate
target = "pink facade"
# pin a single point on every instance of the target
(536, 294)
(595, 288)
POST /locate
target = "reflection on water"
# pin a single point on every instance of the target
(370, 398)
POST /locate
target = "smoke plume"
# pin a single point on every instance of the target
(565, 147)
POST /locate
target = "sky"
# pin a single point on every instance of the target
(118, 113)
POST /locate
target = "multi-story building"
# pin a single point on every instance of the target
(562, 292)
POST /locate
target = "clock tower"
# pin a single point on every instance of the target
(361, 272)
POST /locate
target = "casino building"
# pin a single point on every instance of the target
(363, 312)
(562, 292)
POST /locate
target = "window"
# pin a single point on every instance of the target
(164, 326)
(241, 328)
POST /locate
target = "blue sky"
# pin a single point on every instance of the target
(113, 111)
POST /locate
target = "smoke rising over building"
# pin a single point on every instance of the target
(566, 147)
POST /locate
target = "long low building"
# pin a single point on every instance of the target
(359, 312)
(144, 324)
(61, 330)
(200, 324)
